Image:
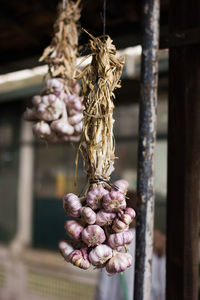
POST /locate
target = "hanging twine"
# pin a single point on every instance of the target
(99, 80)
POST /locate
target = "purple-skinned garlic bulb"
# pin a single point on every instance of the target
(88, 215)
(74, 229)
(119, 226)
(104, 218)
(94, 197)
(65, 249)
(114, 201)
(122, 185)
(119, 263)
(93, 235)
(100, 254)
(78, 259)
(128, 215)
(72, 205)
(120, 239)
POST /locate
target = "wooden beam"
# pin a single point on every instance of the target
(183, 157)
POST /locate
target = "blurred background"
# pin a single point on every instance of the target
(35, 175)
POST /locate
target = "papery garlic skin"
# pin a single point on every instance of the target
(122, 185)
(74, 229)
(119, 263)
(100, 254)
(94, 197)
(88, 215)
(93, 235)
(114, 201)
(104, 218)
(65, 249)
(77, 259)
(72, 205)
(120, 239)
(119, 226)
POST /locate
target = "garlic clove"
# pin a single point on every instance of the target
(36, 100)
(93, 235)
(77, 118)
(72, 205)
(74, 229)
(128, 215)
(119, 263)
(65, 249)
(88, 215)
(42, 130)
(100, 255)
(78, 260)
(119, 226)
(62, 127)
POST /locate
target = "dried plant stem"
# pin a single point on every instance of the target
(99, 80)
(61, 54)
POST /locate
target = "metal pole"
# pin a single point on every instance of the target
(146, 149)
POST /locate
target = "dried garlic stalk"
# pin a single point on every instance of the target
(99, 80)
(62, 53)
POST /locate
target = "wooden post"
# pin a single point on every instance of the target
(183, 154)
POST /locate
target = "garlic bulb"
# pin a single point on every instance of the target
(119, 263)
(76, 258)
(65, 249)
(119, 226)
(94, 197)
(122, 185)
(74, 229)
(114, 201)
(77, 118)
(42, 130)
(88, 215)
(120, 239)
(128, 216)
(100, 254)
(104, 218)
(72, 205)
(93, 235)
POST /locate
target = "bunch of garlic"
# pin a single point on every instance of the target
(100, 231)
(57, 112)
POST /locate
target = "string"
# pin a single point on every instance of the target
(63, 4)
(104, 17)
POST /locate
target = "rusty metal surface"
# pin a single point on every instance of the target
(147, 139)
